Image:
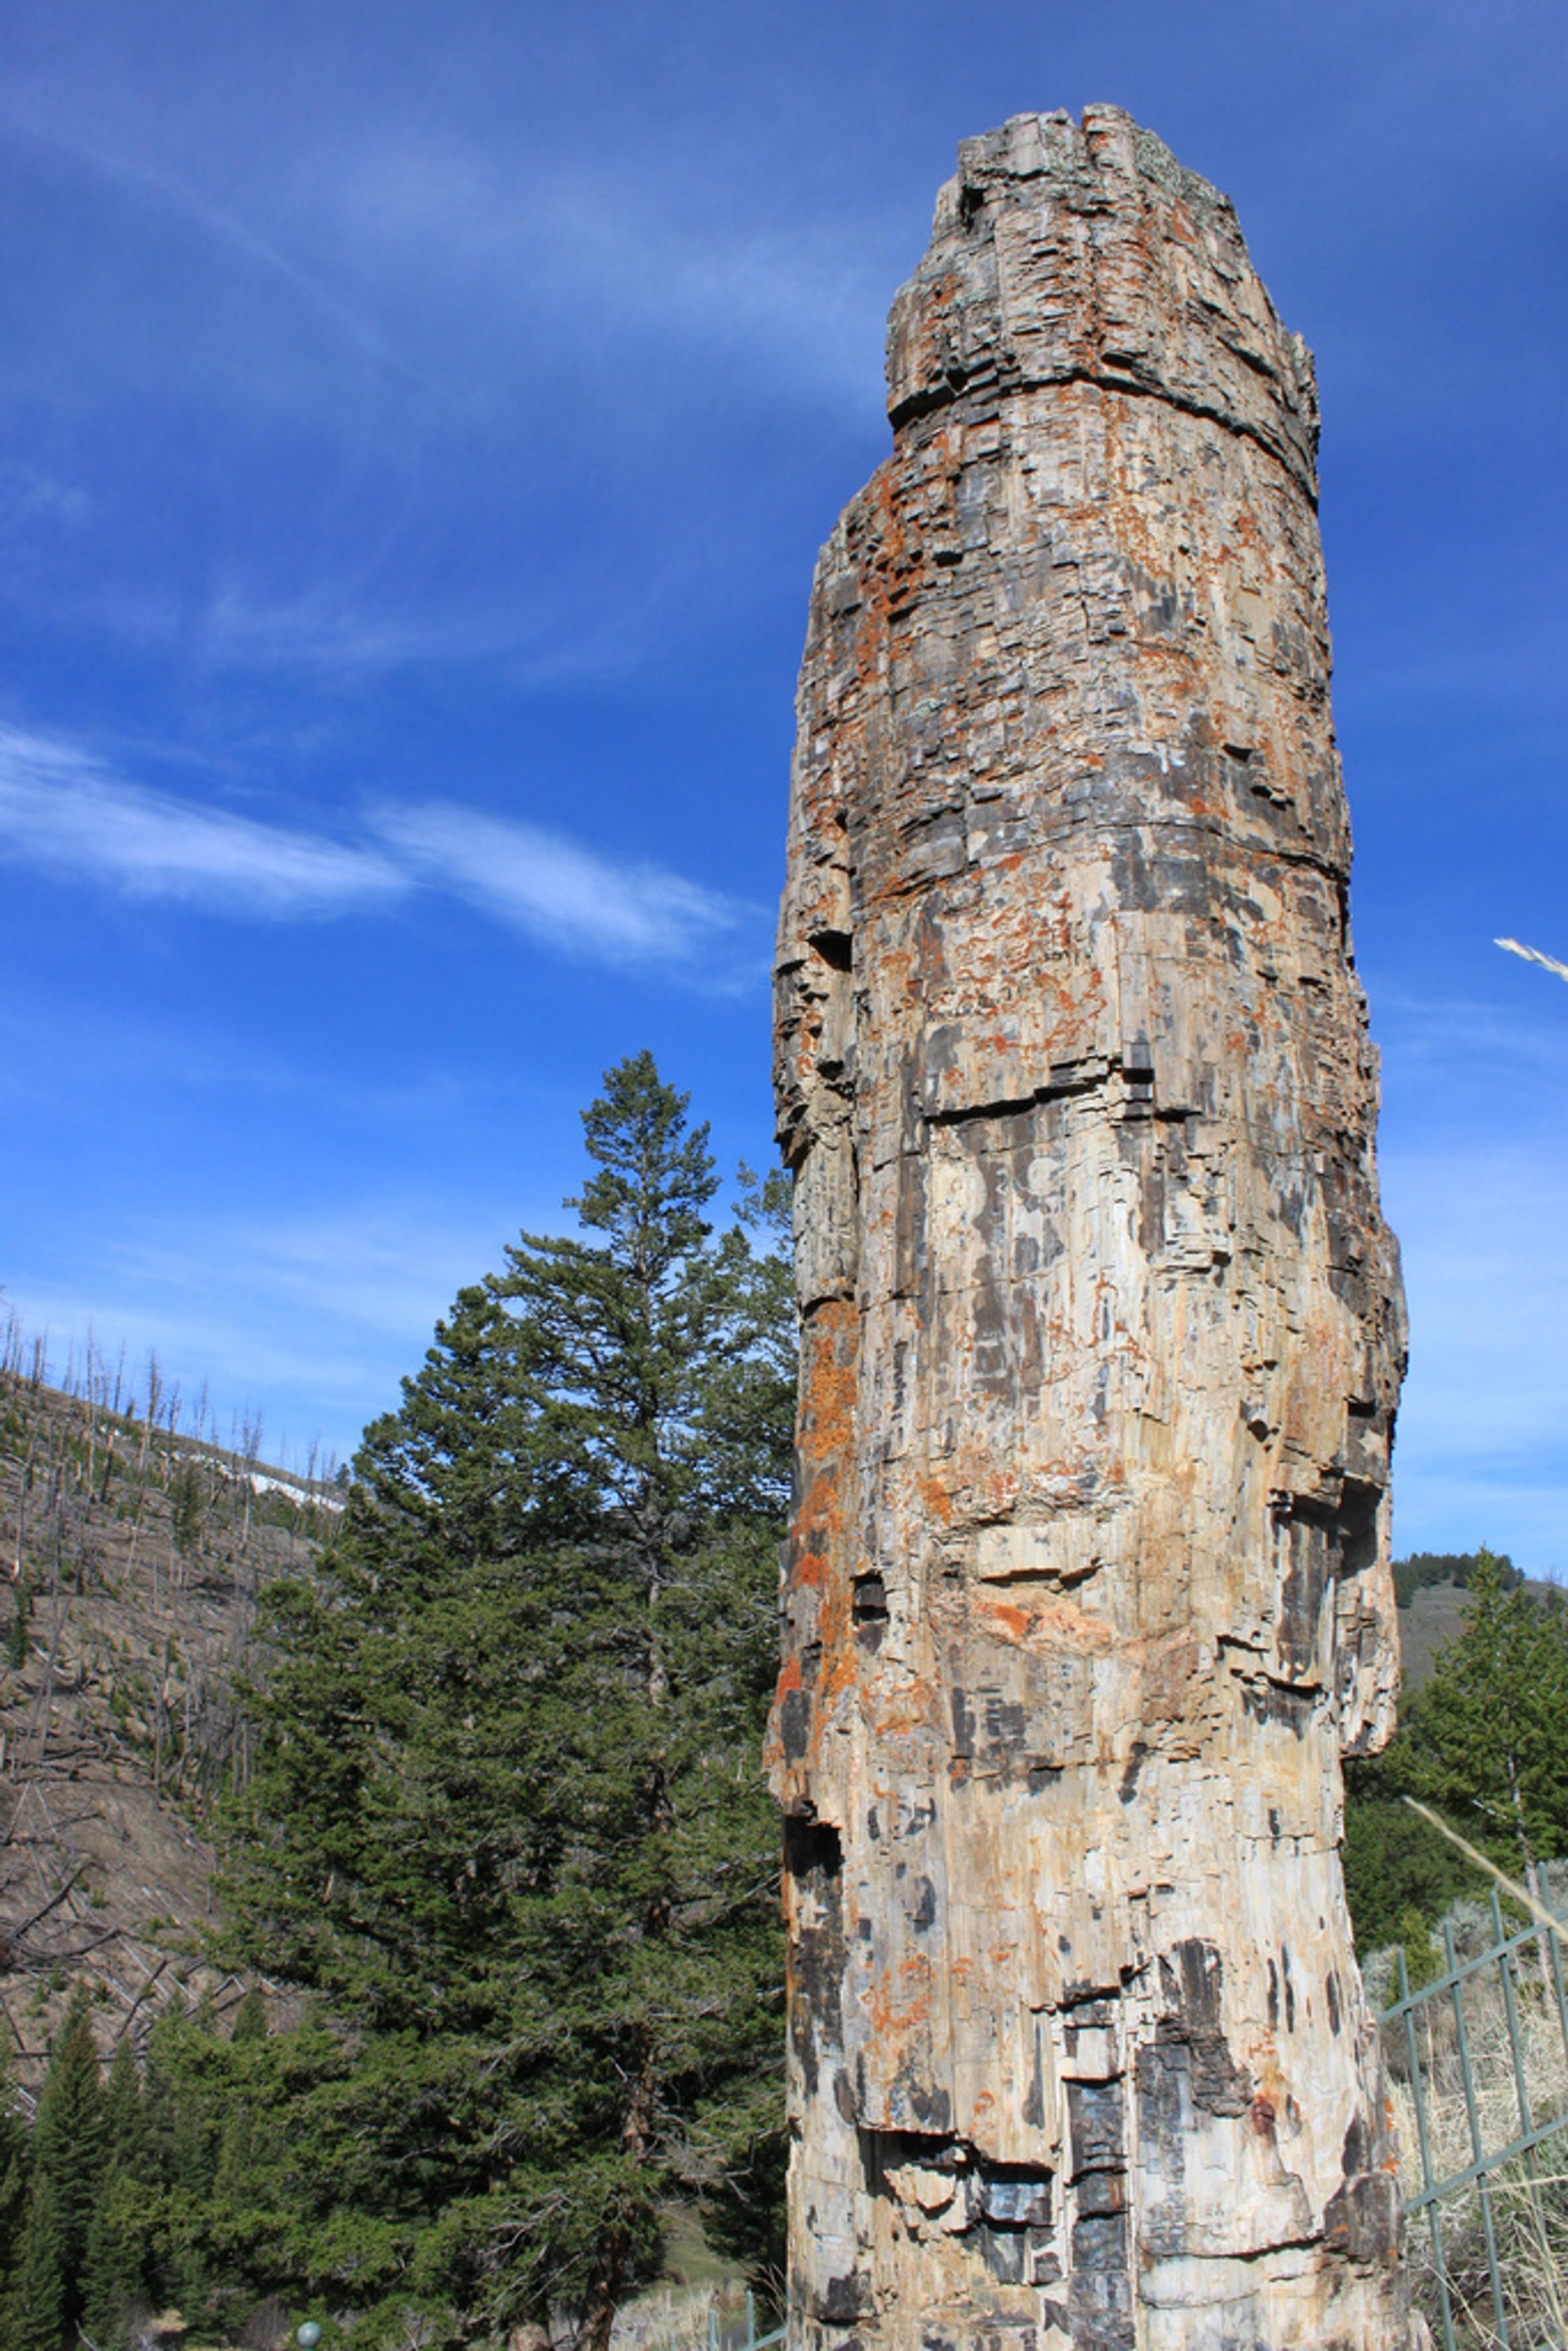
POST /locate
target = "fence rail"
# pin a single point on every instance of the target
(1479, 2060)
(722, 2338)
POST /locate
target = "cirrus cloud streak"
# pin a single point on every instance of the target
(560, 893)
(61, 809)
(65, 811)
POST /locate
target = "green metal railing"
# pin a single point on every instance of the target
(722, 2338)
(725, 2333)
(1481, 2057)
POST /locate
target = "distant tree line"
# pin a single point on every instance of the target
(1423, 1569)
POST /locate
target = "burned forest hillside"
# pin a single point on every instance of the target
(131, 1555)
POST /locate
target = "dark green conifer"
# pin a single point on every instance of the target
(67, 2147)
(1487, 1737)
(124, 2124)
(507, 1816)
(13, 2166)
(184, 2118)
(1486, 1741)
(114, 2265)
(115, 2260)
(250, 2018)
(36, 2298)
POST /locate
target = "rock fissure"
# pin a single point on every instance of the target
(947, 393)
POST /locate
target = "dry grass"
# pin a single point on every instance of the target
(1528, 2198)
(1530, 2233)
(670, 2318)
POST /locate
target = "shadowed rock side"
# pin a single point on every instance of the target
(1088, 1590)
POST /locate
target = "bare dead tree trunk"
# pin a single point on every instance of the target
(154, 1406)
(24, 1487)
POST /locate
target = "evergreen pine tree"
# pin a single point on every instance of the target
(183, 2120)
(35, 2299)
(115, 2258)
(233, 2202)
(1487, 1739)
(13, 2168)
(507, 1815)
(114, 2264)
(1397, 1869)
(250, 2018)
(66, 2160)
(124, 2129)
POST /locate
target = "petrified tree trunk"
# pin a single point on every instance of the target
(1089, 1589)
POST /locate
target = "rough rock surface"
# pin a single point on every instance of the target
(1088, 1590)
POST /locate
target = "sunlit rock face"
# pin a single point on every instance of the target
(1088, 1591)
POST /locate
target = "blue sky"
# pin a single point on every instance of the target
(416, 428)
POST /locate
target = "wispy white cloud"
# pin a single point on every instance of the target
(338, 632)
(432, 324)
(1462, 1057)
(373, 1269)
(389, 238)
(62, 809)
(221, 222)
(1475, 1182)
(334, 632)
(571, 897)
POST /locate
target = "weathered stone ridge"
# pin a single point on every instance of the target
(1088, 1589)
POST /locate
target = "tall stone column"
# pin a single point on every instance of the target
(1088, 1590)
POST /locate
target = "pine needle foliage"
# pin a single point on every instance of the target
(13, 2165)
(1485, 1740)
(64, 2162)
(506, 1820)
(114, 2260)
(186, 2183)
(35, 2315)
(1487, 1736)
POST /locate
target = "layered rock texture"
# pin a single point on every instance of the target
(1089, 1590)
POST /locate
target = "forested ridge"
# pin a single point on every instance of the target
(476, 1739)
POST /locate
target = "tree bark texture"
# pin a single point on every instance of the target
(1088, 1590)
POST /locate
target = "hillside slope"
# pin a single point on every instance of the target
(1433, 1616)
(130, 1562)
